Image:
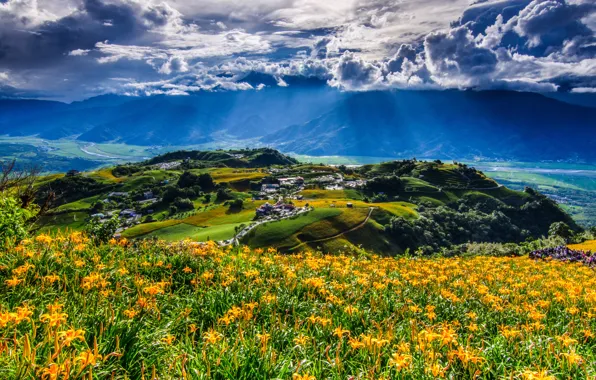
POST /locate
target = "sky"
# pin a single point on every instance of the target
(75, 49)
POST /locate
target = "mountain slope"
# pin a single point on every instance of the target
(448, 124)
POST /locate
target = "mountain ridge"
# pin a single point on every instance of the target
(317, 120)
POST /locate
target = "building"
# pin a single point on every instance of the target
(148, 194)
(269, 188)
(264, 209)
(128, 213)
(117, 194)
(291, 181)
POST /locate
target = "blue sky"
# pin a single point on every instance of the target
(73, 49)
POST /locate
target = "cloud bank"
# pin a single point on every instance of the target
(71, 49)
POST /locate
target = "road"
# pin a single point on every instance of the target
(84, 149)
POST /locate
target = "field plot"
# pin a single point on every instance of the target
(63, 222)
(589, 245)
(280, 233)
(146, 228)
(184, 231)
(155, 310)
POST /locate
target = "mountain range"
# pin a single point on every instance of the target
(318, 120)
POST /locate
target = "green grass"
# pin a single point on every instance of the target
(325, 194)
(187, 231)
(417, 185)
(146, 228)
(280, 233)
(217, 215)
(347, 219)
(75, 221)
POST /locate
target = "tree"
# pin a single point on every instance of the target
(560, 229)
(184, 204)
(100, 231)
(20, 183)
(222, 195)
(98, 207)
(236, 204)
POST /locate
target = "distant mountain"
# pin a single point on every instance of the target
(525, 126)
(170, 120)
(309, 117)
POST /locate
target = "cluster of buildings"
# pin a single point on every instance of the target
(168, 165)
(279, 208)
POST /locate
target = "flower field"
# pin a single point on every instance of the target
(185, 311)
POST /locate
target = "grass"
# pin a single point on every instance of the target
(417, 185)
(81, 204)
(187, 231)
(153, 310)
(324, 194)
(146, 228)
(223, 215)
(280, 233)
(106, 176)
(234, 175)
(64, 221)
(347, 219)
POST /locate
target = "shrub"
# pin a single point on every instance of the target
(560, 229)
(13, 219)
(100, 231)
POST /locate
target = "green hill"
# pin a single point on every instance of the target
(386, 208)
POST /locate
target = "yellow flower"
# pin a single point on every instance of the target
(54, 319)
(303, 377)
(211, 337)
(339, 332)
(400, 361)
(572, 358)
(301, 340)
(187, 270)
(168, 339)
(537, 375)
(14, 281)
(51, 278)
(350, 310)
(44, 239)
(52, 372)
(23, 313)
(69, 336)
(130, 313)
(87, 358)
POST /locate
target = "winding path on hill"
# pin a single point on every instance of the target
(358, 226)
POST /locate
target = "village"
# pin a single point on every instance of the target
(279, 190)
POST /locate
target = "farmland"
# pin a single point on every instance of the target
(72, 309)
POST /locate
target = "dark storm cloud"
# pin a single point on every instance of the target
(53, 40)
(146, 47)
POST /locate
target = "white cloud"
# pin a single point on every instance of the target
(174, 65)
(79, 52)
(584, 90)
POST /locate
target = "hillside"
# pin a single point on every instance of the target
(265, 199)
(507, 125)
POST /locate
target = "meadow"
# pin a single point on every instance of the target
(146, 310)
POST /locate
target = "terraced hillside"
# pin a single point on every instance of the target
(226, 197)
